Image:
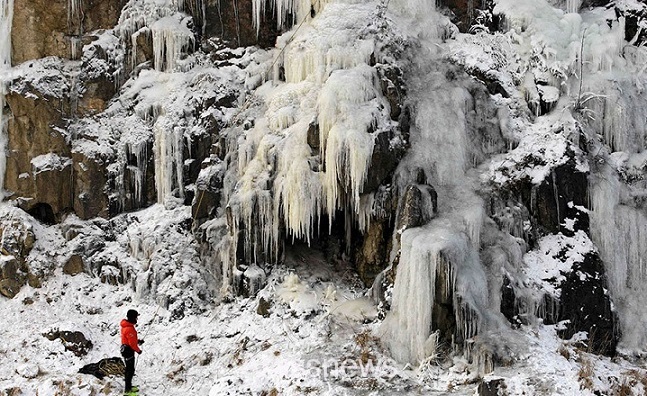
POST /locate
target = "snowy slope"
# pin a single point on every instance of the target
(314, 328)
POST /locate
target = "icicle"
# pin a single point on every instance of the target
(298, 189)
(286, 10)
(573, 6)
(168, 151)
(73, 9)
(345, 142)
(74, 47)
(6, 18)
(138, 172)
(170, 37)
(258, 9)
(408, 325)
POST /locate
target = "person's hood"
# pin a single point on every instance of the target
(126, 323)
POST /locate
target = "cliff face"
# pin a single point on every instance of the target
(464, 185)
(60, 29)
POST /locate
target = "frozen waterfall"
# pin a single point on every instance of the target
(6, 17)
(168, 150)
(447, 248)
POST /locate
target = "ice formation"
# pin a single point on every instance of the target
(165, 21)
(6, 17)
(587, 58)
(287, 11)
(446, 248)
(170, 37)
(568, 62)
(298, 151)
(619, 229)
(573, 5)
(329, 86)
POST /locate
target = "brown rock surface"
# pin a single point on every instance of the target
(9, 288)
(90, 198)
(74, 265)
(43, 28)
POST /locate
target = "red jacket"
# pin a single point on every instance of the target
(129, 335)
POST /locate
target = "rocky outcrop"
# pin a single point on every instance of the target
(74, 265)
(46, 28)
(38, 156)
(468, 15)
(17, 242)
(208, 190)
(388, 150)
(248, 280)
(231, 21)
(559, 206)
(586, 306)
(417, 206)
(73, 341)
(558, 198)
(373, 254)
(89, 175)
(492, 387)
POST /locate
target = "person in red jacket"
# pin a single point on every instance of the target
(130, 345)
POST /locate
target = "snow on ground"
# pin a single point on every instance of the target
(318, 335)
(313, 322)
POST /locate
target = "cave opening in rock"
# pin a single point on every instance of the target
(43, 212)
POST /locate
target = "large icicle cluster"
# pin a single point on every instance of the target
(167, 23)
(447, 247)
(288, 12)
(168, 150)
(331, 90)
(558, 73)
(171, 36)
(600, 80)
(428, 252)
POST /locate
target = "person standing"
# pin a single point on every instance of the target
(130, 345)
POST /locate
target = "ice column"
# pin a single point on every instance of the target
(6, 17)
(573, 5)
(168, 157)
(426, 253)
(620, 231)
(73, 8)
(170, 37)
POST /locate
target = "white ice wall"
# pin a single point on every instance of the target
(6, 18)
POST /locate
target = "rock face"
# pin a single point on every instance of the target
(467, 14)
(586, 305)
(231, 21)
(17, 242)
(557, 199)
(492, 387)
(45, 28)
(89, 197)
(558, 206)
(49, 177)
(74, 265)
(416, 205)
(36, 148)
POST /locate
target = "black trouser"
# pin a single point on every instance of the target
(129, 359)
